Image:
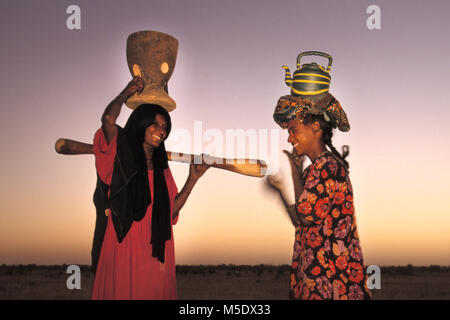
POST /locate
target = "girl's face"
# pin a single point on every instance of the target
(157, 132)
(301, 137)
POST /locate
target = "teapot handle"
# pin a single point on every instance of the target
(315, 53)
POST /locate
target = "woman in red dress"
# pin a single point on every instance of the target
(137, 259)
(327, 261)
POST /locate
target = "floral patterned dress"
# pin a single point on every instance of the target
(327, 261)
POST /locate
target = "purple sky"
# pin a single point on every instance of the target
(392, 83)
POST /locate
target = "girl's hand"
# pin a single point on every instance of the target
(197, 170)
(295, 160)
(135, 85)
(274, 182)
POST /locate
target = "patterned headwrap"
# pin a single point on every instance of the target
(291, 107)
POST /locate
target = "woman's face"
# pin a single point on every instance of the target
(157, 132)
(301, 136)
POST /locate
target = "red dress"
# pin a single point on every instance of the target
(127, 270)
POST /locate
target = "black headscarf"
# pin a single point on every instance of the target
(130, 191)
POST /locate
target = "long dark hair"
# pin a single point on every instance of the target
(140, 119)
(327, 129)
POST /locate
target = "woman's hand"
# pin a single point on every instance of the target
(295, 160)
(112, 111)
(274, 182)
(197, 170)
(135, 85)
(296, 163)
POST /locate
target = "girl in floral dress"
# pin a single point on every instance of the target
(327, 262)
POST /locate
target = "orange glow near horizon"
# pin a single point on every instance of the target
(60, 87)
(221, 224)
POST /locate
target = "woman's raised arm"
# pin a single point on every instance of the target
(112, 111)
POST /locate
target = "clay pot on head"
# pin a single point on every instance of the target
(152, 56)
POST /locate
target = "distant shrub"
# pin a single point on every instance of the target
(211, 270)
(435, 268)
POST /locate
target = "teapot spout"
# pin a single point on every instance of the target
(288, 78)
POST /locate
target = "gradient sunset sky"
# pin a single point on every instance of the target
(391, 82)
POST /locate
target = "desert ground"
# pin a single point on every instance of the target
(223, 282)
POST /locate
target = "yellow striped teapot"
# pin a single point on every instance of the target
(309, 79)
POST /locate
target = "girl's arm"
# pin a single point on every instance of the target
(195, 172)
(277, 186)
(296, 163)
(112, 111)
